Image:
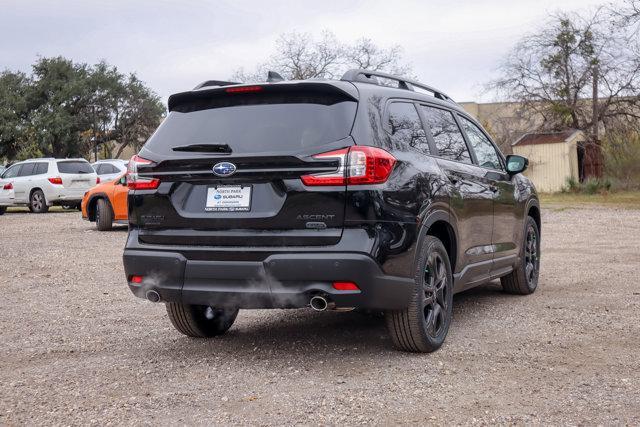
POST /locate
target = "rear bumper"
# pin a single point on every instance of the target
(280, 280)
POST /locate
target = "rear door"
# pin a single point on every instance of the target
(77, 177)
(471, 195)
(230, 165)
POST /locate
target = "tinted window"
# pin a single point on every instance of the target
(406, 128)
(484, 149)
(74, 166)
(261, 124)
(12, 172)
(112, 169)
(41, 168)
(27, 169)
(446, 134)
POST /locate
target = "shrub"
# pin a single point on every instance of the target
(622, 159)
(589, 186)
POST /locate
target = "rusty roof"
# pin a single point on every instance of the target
(545, 137)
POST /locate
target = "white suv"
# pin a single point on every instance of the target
(110, 169)
(40, 183)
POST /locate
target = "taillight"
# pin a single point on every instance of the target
(97, 180)
(134, 182)
(336, 177)
(56, 181)
(8, 186)
(136, 279)
(364, 165)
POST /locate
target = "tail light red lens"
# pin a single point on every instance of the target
(358, 165)
(97, 180)
(8, 186)
(345, 286)
(56, 181)
(136, 279)
(134, 181)
(331, 178)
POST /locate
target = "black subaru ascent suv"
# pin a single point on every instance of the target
(369, 192)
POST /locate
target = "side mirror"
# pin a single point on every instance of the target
(516, 164)
(123, 180)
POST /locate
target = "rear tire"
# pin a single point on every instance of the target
(524, 279)
(104, 215)
(200, 321)
(37, 202)
(423, 325)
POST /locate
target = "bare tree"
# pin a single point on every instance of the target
(575, 72)
(365, 54)
(300, 56)
(628, 14)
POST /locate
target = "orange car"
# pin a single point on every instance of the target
(106, 203)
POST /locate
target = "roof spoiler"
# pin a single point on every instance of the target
(205, 93)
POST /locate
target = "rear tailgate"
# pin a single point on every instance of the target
(77, 177)
(229, 166)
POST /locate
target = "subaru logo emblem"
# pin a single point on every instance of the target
(224, 169)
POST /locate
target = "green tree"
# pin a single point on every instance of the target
(13, 112)
(65, 109)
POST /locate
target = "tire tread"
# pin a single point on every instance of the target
(405, 325)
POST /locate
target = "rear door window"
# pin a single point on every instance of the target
(74, 166)
(27, 169)
(260, 124)
(405, 127)
(446, 134)
(41, 168)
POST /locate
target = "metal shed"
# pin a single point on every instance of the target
(553, 157)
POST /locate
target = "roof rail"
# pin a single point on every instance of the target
(215, 83)
(367, 76)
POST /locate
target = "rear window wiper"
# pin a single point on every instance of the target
(205, 148)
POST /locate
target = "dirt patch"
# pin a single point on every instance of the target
(77, 348)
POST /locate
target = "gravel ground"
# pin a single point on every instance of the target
(77, 348)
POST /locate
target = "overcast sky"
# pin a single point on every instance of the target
(173, 45)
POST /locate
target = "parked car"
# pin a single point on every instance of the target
(41, 183)
(110, 169)
(333, 194)
(106, 203)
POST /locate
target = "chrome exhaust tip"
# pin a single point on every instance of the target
(319, 303)
(153, 296)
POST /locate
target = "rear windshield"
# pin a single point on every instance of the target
(282, 124)
(74, 166)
